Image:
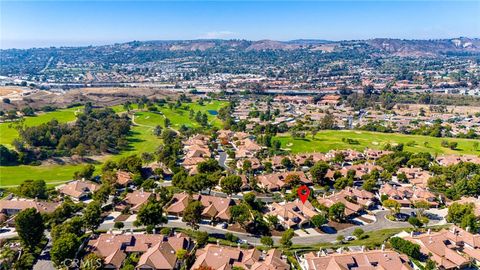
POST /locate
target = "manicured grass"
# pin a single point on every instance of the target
(374, 238)
(332, 139)
(8, 132)
(141, 140)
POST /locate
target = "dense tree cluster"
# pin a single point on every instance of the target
(94, 132)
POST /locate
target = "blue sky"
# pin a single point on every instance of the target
(53, 23)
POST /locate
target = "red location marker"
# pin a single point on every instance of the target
(303, 192)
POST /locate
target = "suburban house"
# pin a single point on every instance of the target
(155, 251)
(352, 208)
(447, 160)
(450, 249)
(124, 178)
(359, 169)
(276, 181)
(79, 189)
(407, 196)
(14, 205)
(371, 260)
(215, 208)
(292, 214)
(225, 258)
(416, 176)
(374, 154)
(136, 199)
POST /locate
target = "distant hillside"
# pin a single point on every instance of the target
(402, 47)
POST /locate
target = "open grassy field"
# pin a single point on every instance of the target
(141, 140)
(332, 139)
(180, 116)
(8, 132)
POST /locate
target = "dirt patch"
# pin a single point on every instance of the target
(236, 228)
(122, 218)
(73, 160)
(339, 226)
(9, 90)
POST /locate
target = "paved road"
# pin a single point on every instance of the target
(222, 157)
(381, 223)
(44, 261)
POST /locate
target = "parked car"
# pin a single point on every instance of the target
(402, 216)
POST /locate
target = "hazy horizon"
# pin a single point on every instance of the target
(27, 24)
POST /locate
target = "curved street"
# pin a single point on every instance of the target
(381, 223)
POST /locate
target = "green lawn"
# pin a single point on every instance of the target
(141, 140)
(8, 132)
(332, 139)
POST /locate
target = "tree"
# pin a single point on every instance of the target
(405, 246)
(319, 220)
(336, 212)
(182, 254)
(7, 157)
(267, 241)
(92, 262)
(193, 214)
(240, 214)
(231, 184)
(208, 166)
(293, 179)
(272, 221)
(470, 221)
(358, 232)
(118, 225)
(318, 172)
(422, 206)
(287, 163)
(157, 131)
(151, 214)
(456, 212)
(430, 265)
(202, 238)
(392, 205)
(415, 222)
(86, 172)
(29, 226)
(92, 215)
(369, 184)
(33, 189)
(64, 248)
(286, 240)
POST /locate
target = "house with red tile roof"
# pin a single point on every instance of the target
(276, 181)
(352, 208)
(124, 178)
(407, 196)
(292, 214)
(155, 251)
(12, 206)
(416, 176)
(447, 160)
(136, 199)
(359, 260)
(217, 208)
(225, 258)
(78, 189)
(449, 249)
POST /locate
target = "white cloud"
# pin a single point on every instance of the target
(218, 34)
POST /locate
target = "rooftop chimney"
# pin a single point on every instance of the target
(383, 247)
(218, 242)
(429, 231)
